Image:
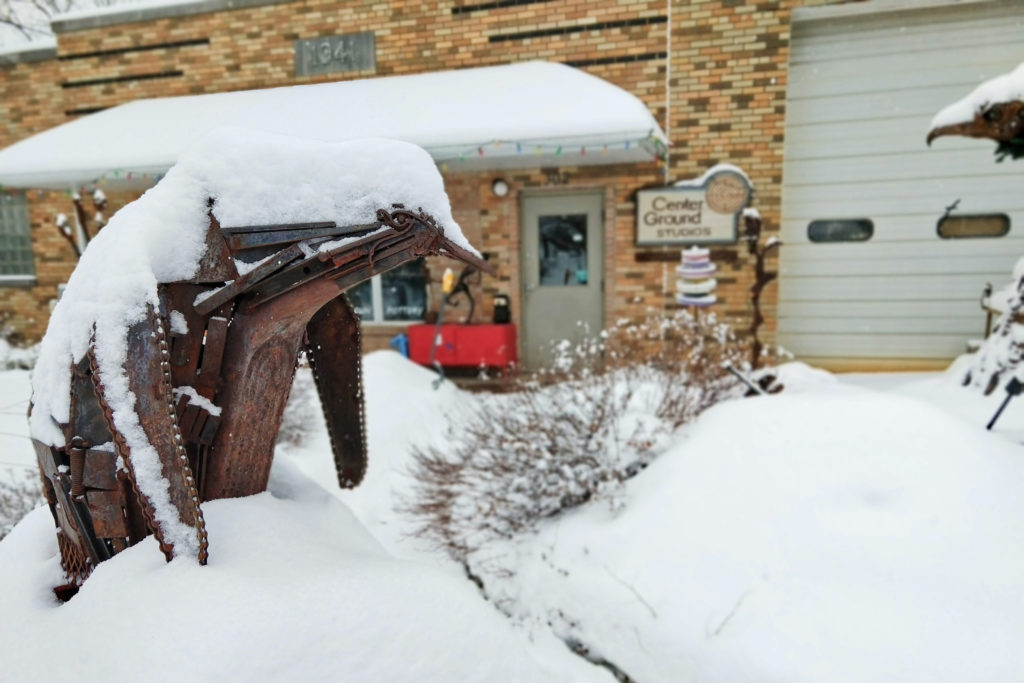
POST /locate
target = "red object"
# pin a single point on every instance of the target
(465, 345)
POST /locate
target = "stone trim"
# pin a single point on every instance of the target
(28, 55)
(83, 21)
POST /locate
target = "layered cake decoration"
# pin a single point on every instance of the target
(695, 286)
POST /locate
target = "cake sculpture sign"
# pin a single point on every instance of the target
(695, 286)
(701, 211)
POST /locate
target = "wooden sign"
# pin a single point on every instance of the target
(702, 211)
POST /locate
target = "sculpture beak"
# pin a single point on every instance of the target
(952, 129)
(453, 250)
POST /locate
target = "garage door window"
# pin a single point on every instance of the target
(840, 230)
(16, 263)
(984, 225)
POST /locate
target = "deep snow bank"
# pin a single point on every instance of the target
(832, 534)
(296, 590)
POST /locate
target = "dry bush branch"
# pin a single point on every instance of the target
(571, 434)
(17, 499)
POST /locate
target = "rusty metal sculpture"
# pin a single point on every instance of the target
(211, 381)
(1001, 122)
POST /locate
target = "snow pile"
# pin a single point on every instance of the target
(402, 410)
(1005, 88)
(254, 179)
(781, 538)
(295, 590)
(830, 533)
(826, 528)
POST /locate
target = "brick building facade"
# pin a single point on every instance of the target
(719, 67)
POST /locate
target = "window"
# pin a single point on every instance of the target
(982, 225)
(17, 265)
(400, 295)
(840, 230)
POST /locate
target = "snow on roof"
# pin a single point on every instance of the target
(254, 179)
(717, 168)
(1004, 88)
(512, 116)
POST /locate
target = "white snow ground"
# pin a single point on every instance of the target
(837, 532)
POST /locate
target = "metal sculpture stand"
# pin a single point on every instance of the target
(211, 369)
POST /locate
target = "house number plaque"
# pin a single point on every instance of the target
(335, 54)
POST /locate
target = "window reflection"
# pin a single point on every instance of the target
(361, 297)
(563, 250)
(404, 292)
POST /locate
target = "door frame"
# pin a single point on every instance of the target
(606, 196)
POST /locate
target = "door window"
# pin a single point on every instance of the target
(563, 250)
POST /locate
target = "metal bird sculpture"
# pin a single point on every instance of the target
(211, 367)
(993, 111)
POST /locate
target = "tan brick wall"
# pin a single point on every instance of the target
(29, 306)
(728, 79)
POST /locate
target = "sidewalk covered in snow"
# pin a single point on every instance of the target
(529, 114)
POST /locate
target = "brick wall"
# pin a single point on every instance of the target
(727, 104)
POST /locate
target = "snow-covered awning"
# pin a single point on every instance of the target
(522, 115)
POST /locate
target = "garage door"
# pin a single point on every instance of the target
(865, 274)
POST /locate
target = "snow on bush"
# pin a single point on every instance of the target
(1002, 352)
(15, 354)
(17, 357)
(570, 435)
(18, 498)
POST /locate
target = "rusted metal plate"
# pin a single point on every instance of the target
(209, 377)
(74, 522)
(107, 511)
(216, 264)
(186, 347)
(209, 431)
(242, 229)
(188, 421)
(135, 520)
(335, 354)
(147, 381)
(86, 413)
(259, 365)
(305, 271)
(241, 239)
(47, 458)
(196, 428)
(247, 281)
(100, 470)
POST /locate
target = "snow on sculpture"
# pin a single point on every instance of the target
(994, 111)
(167, 364)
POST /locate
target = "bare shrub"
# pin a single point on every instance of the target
(18, 498)
(15, 352)
(686, 353)
(570, 434)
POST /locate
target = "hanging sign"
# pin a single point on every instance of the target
(701, 211)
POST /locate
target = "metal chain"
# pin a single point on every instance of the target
(183, 468)
(124, 452)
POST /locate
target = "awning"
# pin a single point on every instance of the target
(530, 114)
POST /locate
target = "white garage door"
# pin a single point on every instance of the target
(863, 88)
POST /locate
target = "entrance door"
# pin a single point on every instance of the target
(563, 280)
